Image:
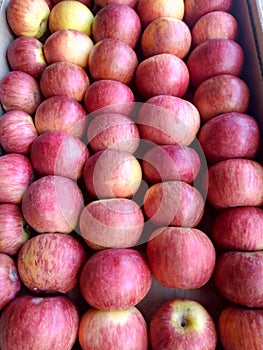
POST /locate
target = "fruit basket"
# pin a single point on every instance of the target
(250, 22)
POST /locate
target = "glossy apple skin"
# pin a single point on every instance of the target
(19, 90)
(241, 328)
(71, 80)
(113, 223)
(182, 324)
(185, 207)
(239, 228)
(117, 21)
(111, 173)
(59, 153)
(16, 174)
(51, 262)
(39, 323)
(10, 282)
(61, 113)
(150, 10)
(215, 25)
(52, 204)
(223, 93)
(230, 135)
(70, 15)
(123, 329)
(13, 124)
(168, 120)
(162, 74)
(235, 182)
(112, 50)
(28, 17)
(122, 272)
(154, 37)
(238, 277)
(172, 259)
(25, 54)
(215, 57)
(103, 3)
(171, 162)
(109, 96)
(63, 44)
(113, 131)
(12, 232)
(197, 8)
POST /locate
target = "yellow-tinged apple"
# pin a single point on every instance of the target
(71, 15)
(28, 17)
(68, 45)
(122, 329)
(182, 324)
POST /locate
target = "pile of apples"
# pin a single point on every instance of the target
(124, 123)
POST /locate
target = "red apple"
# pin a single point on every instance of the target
(12, 229)
(61, 113)
(71, 15)
(112, 59)
(122, 329)
(10, 283)
(194, 9)
(150, 10)
(16, 174)
(13, 125)
(112, 173)
(215, 25)
(110, 96)
(71, 80)
(172, 257)
(49, 2)
(168, 120)
(68, 45)
(51, 262)
(115, 279)
(230, 135)
(113, 223)
(234, 183)
(239, 228)
(102, 3)
(28, 18)
(52, 204)
(59, 153)
(154, 38)
(19, 90)
(171, 162)
(240, 328)
(162, 74)
(239, 276)
(182, 324)
(25, 54)
(215, 57)
(113, 131)
(118, 21)
(219, 94)
(45, 323)
(185, 207)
